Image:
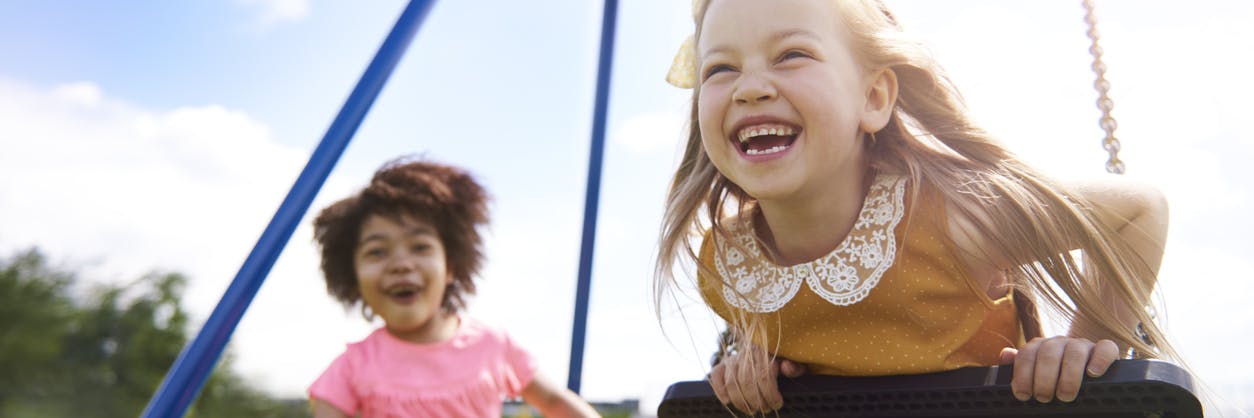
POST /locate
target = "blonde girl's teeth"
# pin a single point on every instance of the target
(770, 150)
(747, 134)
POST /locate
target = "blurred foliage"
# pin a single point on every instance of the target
(102, 351)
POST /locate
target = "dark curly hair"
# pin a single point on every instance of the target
(447, 197)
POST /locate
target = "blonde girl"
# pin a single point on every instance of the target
(855, 221)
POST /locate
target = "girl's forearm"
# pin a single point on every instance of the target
(567, 405)
(1145, 233)
(556, 401)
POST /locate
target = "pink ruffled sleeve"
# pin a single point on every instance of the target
(334, 386)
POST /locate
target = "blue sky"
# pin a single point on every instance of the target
(140, 135)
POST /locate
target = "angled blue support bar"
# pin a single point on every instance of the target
(593, 194)
(197, 360)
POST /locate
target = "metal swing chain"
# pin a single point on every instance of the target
(1107, 122)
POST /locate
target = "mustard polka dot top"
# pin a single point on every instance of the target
(892, 298)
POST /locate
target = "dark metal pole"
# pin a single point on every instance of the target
(593, 195)
(197, 360)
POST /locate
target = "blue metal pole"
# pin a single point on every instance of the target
(593, 194)
(197, 360)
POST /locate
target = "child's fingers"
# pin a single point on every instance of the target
(747, 381)
(1071, 374)
(718, 382)
(769, 388)
(735, 390)
(752, 379)
(762, 397)
(1105, 352)
(1048, 362)
(791, 369)
(1007, 356)
(1025, 367)
(736, 393)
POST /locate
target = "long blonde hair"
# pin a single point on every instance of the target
(930, 140)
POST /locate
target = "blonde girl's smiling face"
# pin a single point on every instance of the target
(402, 274)
(780, 98)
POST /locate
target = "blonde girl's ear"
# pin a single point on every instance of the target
(881, 99)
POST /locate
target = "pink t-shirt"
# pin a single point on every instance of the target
(467, 375)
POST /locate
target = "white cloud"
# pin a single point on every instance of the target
(97, 177)
(126, 190)
(82, 93)
(279, 11)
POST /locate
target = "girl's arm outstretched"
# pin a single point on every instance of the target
(1048, 368)
(1138, 214)
(555, 401)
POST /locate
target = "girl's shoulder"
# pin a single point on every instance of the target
(474, 332)
(1113, 200)
(474, 326)
(1118, 197)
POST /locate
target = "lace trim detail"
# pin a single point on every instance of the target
(765, 287)
(843, 277)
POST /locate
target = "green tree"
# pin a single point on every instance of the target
(105, 353)
(35, 318)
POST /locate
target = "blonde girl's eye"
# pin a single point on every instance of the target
(792, 54)
(715, 70)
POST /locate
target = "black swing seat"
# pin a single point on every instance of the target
(1130, 388)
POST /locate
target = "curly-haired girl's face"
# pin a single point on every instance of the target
(402, 275)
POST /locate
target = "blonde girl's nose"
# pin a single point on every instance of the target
(753, 89)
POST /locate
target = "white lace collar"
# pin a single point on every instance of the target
(843, 277)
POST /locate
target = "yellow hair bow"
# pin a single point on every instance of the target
(683, 72)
